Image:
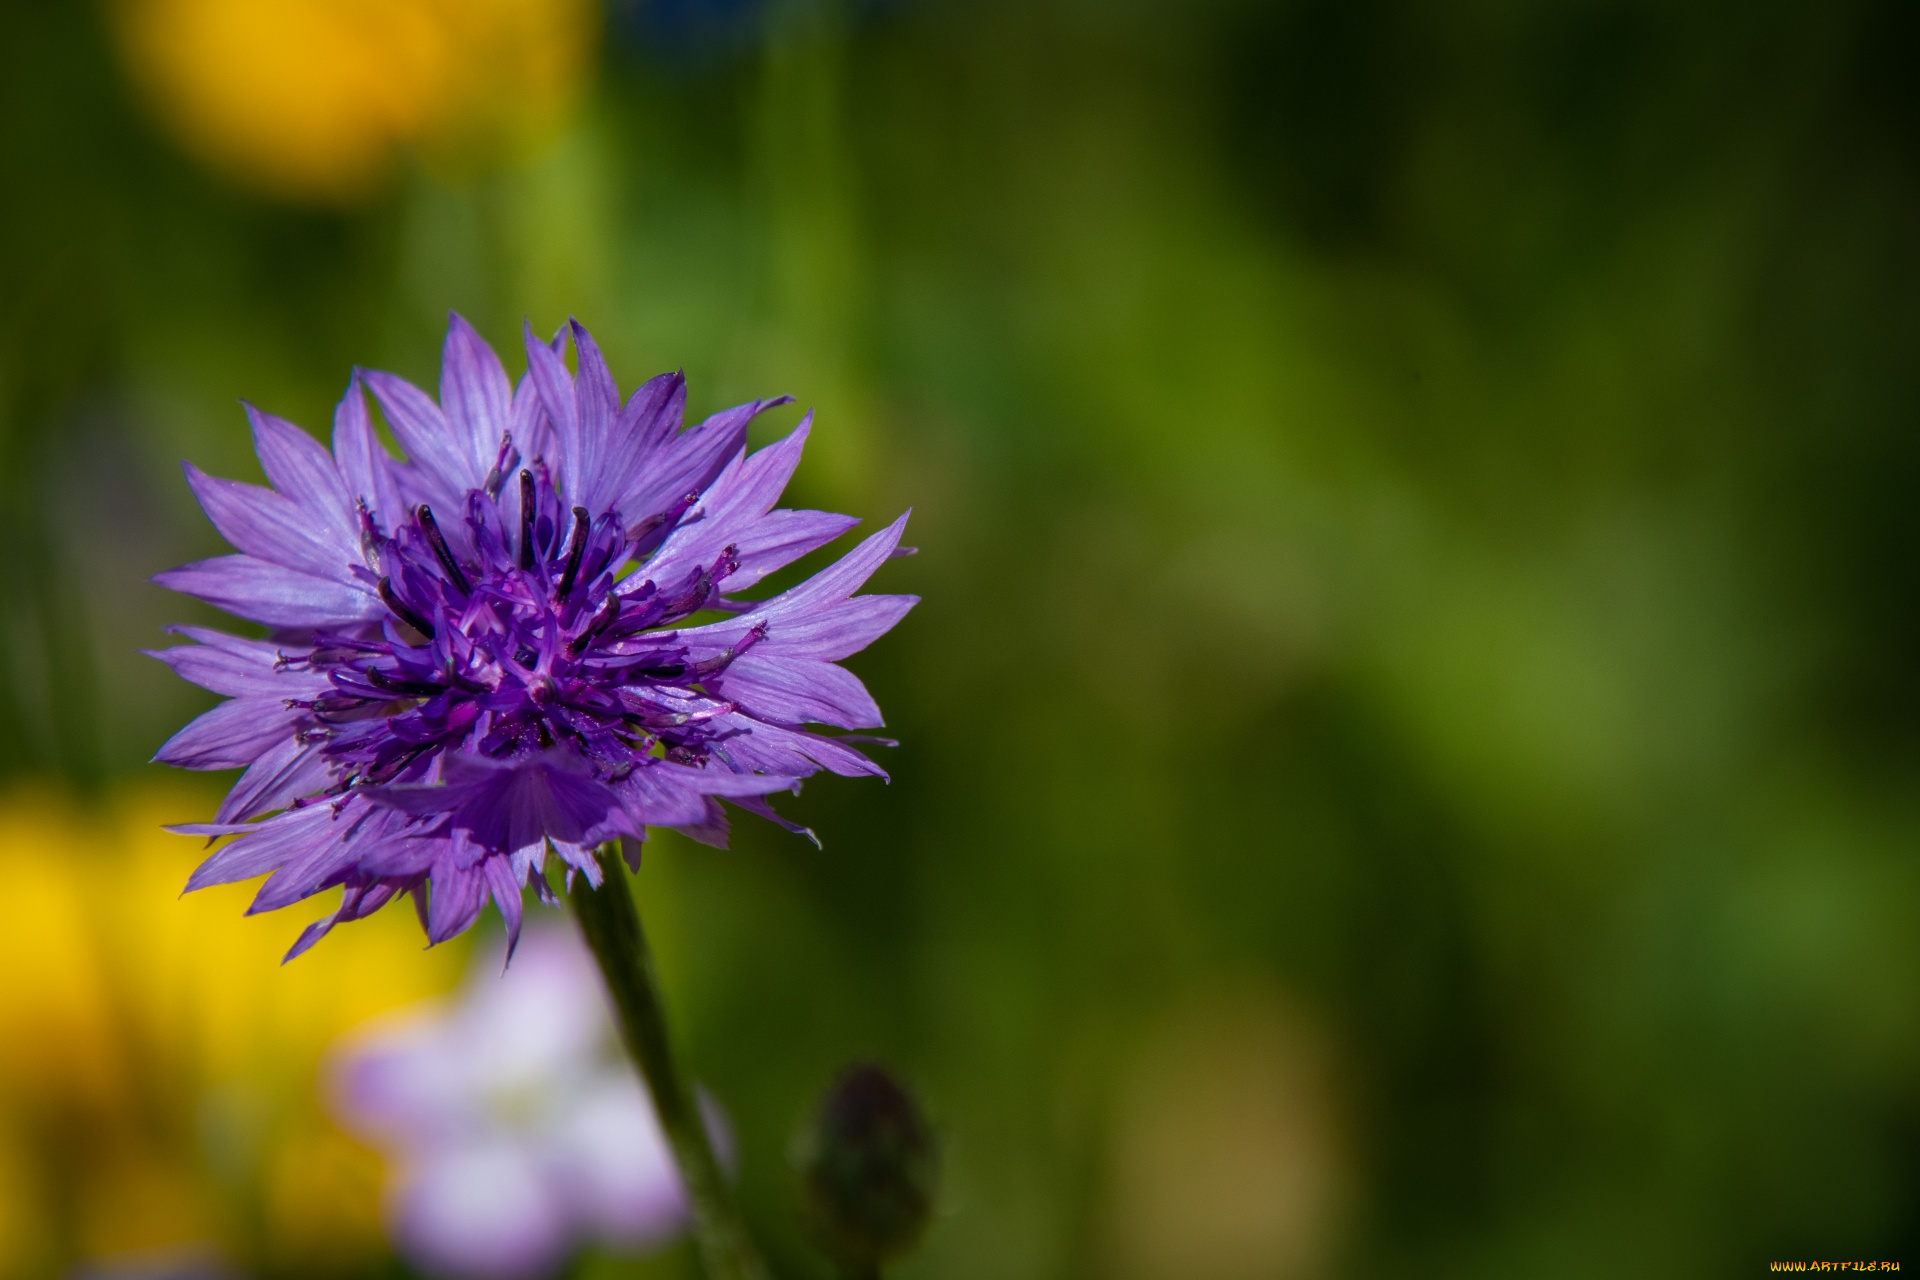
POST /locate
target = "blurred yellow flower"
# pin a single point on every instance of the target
(311, 99)
(158, 1066)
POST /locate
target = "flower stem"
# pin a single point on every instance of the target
(611, 925)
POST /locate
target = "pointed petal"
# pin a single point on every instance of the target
(532, 429)
(779, 538)
(363, 461)
(506, 895)
(760, 748)
(269, 847)
(548, 373)
(251, 588)
(788, 690)
(303, 471)
(737, 510)
(323, 862)
(260, 650)
(457, 896)
(841, 579)
(663, 794)
(357, 903)
(837, 630)
(447, 470)
(759, 805)
(712, 829)
(761, 546)
(689, 461)
(246, 673)
(283, 773)
(597, 400)
(804, 620)
(637, 434)
(659, 407)
(231, 736)
(270, 527)
(758, 483)
(308, 936)
(579, 856)
(474, 394)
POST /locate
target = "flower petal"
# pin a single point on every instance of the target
(737, 510)
(286, 771)
(794, 690)
(838, 630)
(275, 843)
(253, 670)
(357, 902)
(475, 397)
(446, 468)
(304, 473)
(548, 373)
(779, 538)
(840, 579)
(506, 896)
(816, 619)
(761, 748)
(273, 528)
(254, 589)
(231, 736)
(457, 897)
(652, 418)
(596, 400)
(689, 461)
(506, 805)
(363, 461)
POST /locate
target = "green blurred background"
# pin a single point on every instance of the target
(1409, 749)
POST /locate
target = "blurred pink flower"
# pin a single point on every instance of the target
(515, 1130)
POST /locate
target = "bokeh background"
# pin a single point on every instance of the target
(1410, 746)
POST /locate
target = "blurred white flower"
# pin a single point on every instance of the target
(516, 1130)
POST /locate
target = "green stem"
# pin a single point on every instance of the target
(611, 925)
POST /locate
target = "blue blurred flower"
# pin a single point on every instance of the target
(516, 1132)
(482, 652)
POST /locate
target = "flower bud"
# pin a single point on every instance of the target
(869, 1164)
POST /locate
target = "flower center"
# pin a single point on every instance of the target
(518, 643)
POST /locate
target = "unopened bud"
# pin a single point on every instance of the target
(869, 1162)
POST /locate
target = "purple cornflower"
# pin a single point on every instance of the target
(482, 652)
(515, 1131)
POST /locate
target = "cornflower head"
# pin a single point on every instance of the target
(482, 655)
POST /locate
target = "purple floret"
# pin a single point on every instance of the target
(480, 654)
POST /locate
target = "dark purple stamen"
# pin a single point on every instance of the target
(579, 548)
(503, 460)
(721, 661)
(442, 552)
(402, 610)
(652, 531)
(609, 612)
(387, 770)
(381, 680)
(370, 538)
(526, 519)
